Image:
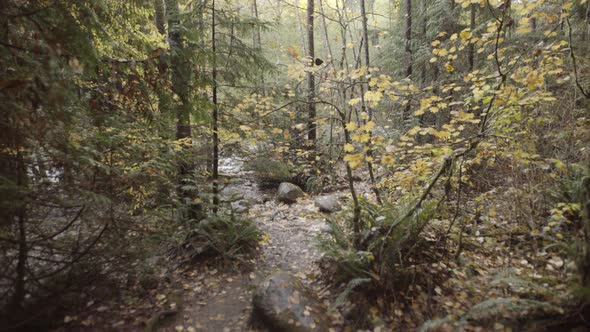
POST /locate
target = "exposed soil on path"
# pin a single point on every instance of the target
(221, 301)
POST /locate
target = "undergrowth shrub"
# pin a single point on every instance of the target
(513, 313)
(571, 215)
(270, 173)
(226, 235)
(392, 247)
(316, 184)
(528, 308)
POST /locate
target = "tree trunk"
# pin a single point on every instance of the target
(180, 71)
(311, 126)
(471, 45)
(160, 16)
(409, 37)
(19, 287)
(424, 31)
(257, 41)
(368, 108)
(408, 49)
(326, 35)
(300, 26)
(180, 74)
(215, 114)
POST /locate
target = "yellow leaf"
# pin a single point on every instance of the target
(368, 126)
(492, 213)
(449, 67)
(387, 160)
(363, 138)
(354, 160)
(348, 147)
(351, 126)
(373, 96)
(465, 34)
(354, 101)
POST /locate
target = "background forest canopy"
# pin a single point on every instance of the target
(455, 114)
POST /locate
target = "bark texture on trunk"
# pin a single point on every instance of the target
(311, 126)
(160, 8)
(408, 49)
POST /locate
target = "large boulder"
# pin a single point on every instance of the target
(283, 303)
(288, 192)
(328, 204)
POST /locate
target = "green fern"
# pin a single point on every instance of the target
(352, 284)
(492, 308)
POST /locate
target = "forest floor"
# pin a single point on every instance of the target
(218, 297)
(206, 297)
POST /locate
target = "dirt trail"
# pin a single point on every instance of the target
(221, 301)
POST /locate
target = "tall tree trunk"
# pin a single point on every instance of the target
(160, 7)
(257, 34)
(311, 126)
(257, 42)
(19, 287)
(424, 31)
(346, 117)
(364, 105)
(326, 35)
(471, 45)
(356, 215)
(181, 76)
(300, 27)
(343, 59)
(215, 113)
(408, 49)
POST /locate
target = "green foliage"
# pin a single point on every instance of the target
(352, 284)
(270, 173)
(316, 183)
(506, 310)
(341, 258)
(390, 237)
(226, 235)
(569, 188)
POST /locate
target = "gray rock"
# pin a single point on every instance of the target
(328, 204)
(241, 206)
(326, 228)
(230, 191)
(288, 192)
(283, 303)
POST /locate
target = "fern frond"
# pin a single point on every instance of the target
(352, 284)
